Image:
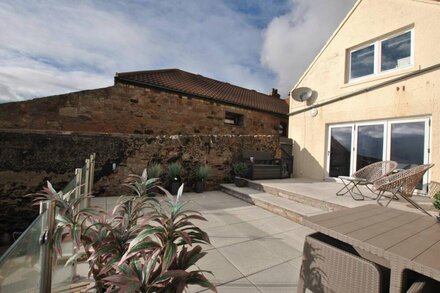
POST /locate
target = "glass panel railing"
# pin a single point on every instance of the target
(63, 275)
(20, 265)
(70, 186)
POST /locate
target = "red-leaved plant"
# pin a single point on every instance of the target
(142, 246)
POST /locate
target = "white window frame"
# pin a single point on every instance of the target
(387, 144)
(329, 147)
(378, 56)
(356, 135)
(427, 149)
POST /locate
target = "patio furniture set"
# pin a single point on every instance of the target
(384, 177)
(373, 248)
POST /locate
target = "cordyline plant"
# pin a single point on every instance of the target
(140, 247)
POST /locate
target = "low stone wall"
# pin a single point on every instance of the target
(29, 158)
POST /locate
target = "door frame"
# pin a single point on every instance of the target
(427, 142)
(356, 136)
(330, 127)
(387, 142)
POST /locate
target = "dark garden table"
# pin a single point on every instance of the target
(393, 238)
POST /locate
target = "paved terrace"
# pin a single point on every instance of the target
(252, 250)
(299, 197)
(326, 191)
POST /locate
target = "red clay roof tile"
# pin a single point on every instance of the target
(198, 85)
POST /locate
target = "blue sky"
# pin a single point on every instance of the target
(53, 47)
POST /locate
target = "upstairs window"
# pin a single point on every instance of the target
(234, 119)
(362, 62)
(382, 55)
(396, 52)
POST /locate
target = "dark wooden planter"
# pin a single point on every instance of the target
(240, 182)
(155, 191)
(175, 187)
(200, 186)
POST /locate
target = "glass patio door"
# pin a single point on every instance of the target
(354, 146)
(340, 149)
(370, 148)
(409, 144)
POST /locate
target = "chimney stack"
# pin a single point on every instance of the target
(275, 93)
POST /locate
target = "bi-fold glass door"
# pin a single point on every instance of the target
(370, 144)
(353, 146)
(340, 150)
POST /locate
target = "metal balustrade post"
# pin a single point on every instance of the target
(46, 246)
(86, 179)
(78, 177)
(92, 171)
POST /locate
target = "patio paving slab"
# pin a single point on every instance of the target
(226, 235)
(247, 213)
(250, 257)
(281, 245)
(296, 237)
(276, 279)
(224, 270)
(275, 224)
(239, 286)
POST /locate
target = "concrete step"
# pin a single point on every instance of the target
(295, 196)
(284, 207)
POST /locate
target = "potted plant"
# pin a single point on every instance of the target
(240, 171)
(174, 173)
(154, 170)
(436, 203)
(201, 175)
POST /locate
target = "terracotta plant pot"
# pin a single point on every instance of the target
(200, 186)
(240, 182)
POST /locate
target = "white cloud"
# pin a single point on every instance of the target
(53, 47)
(293, 40)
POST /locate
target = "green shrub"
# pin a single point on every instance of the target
(202, 173)
(436, 201)
(154, 170)
(174, 170)
(240, 169)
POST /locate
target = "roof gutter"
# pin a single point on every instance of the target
(367, 89)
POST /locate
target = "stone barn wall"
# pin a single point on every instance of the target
(131, 109)
(29, 158)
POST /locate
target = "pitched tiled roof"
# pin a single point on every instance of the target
(197, 85)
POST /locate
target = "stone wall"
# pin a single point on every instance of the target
(130, 109)
(29, 158)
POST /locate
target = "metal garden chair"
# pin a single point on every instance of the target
(402, 183)
(365, 176)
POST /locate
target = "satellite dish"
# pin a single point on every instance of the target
(301, 94)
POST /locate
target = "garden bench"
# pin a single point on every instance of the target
(262, 165)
